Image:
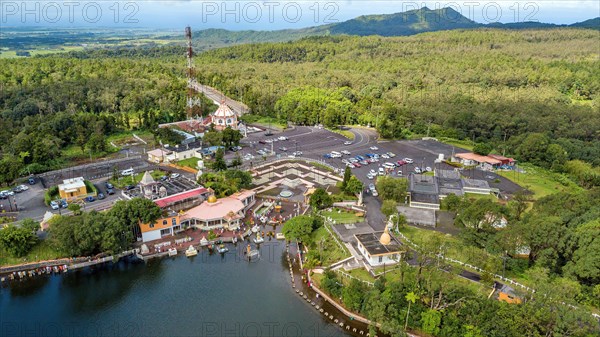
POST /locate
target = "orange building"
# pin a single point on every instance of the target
(169, 225)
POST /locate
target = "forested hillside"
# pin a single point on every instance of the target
(534, 89)
(487, 85)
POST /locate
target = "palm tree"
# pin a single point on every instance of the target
(411, 297)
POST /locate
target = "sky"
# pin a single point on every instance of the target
(270, 15)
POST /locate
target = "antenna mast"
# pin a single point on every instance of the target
(190, 72)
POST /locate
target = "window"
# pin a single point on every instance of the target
(151, 225)
(174, 221)
(165, 222)
(380, 259)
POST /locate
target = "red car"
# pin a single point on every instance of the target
(401, 162)
(356, 165)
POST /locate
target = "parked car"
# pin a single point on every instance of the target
(283, 149)
(283, 138)
(370, 176)
(350, 165)
(385, 156)
(327, 156)
(346, 152)
(110, 191)
(408, 160)
(54, 205)
(129, 187)
(374, 148)
(109, 185)
(401, 163)
(371, 186)
(357, 165)
(364, 162)
(381, 171)
(64, 204)
(374, 192)
(3, 196)
(391, 154)
(31, 181)
(17, 189)
(348, 142)
(127, 172)
(428, 169)
(101, 196)
(175, 175)
(233, 148)
(417, 170)
(360, 157)
(8, 193)
(90, 199)
(353, 160)
(297, 153)
(262, 142)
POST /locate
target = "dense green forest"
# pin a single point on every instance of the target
(503, 88)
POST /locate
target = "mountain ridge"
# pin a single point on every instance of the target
(397, 24)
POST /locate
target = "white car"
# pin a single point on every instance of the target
(248, 157)
(373, 172)
(348, 143)
(346, 152)
(350, 165)
(297, 153)
(23, 187)
(381, 171)
(417, 170)
(268, 141)
(8, 193)
(428, 169)
(374, 148)
(391, 154)
(385, 156)
(54, 205)
(389, 165)
(175, 175)
(408, 160)
(374, 193)
(283, 138)
(370, 176)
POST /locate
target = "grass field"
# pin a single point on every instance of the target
(324, 242)
(463, 144)
(133, 180)
(540, 181)
(40, 252)
(190, 162)
(263, 121)
(346, 133)
(342, 217)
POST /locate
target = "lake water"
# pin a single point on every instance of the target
(209, 295)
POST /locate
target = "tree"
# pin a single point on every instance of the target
(75, 208)
(347, 175)
(353, 295)
(236, 161)
(213, 138)
(354, 186)
(585, 253)
(320, 199)
(299, 228)
(430, 322)
(452, 202)
(482, 149)
(390, 188)
(411, 298)
(17, 241)
(219, 163)
(30, 224)
(231, 137)
(388, 207)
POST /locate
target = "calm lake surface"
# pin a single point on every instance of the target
(209, 295)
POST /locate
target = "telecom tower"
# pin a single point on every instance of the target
(190, 73)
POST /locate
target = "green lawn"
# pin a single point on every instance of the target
(463, 144)
(475, 196)
(324, 242)
(264, 121)
(344, 217)
(40, 252)
(346, 133)
(540, 181)
(74, 152)
(190, 162)
(121, 182)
